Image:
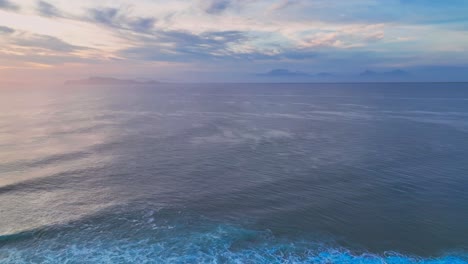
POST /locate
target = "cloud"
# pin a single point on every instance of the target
(215, 6)
(107, 16)
(116, 18)
(142, 24)
(45, 60)
(6, 30)
(47, 9)
(27, 49)
(46, 43)
(7, 5)
(184, 46)
(282, 4)
(32, 50)
(347, 37)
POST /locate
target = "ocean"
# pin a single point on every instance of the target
(235, 173)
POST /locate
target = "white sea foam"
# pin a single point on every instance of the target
(221, 244)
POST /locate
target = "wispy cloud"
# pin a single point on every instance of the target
(7, 5)
(107, 16)
(47, 9)
(118, 18)
(6, 30)
(344, 38)
(215, 6)
(28, 50)
(47, 42)
(282, 4)
(185, 46)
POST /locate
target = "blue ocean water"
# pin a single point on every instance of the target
(235, 173)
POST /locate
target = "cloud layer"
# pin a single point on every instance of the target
(234, 36)
(7, 5)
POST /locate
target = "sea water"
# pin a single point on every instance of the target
(235, 173)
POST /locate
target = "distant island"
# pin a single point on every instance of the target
(108, 81)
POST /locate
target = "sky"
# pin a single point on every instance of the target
(234, 40)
